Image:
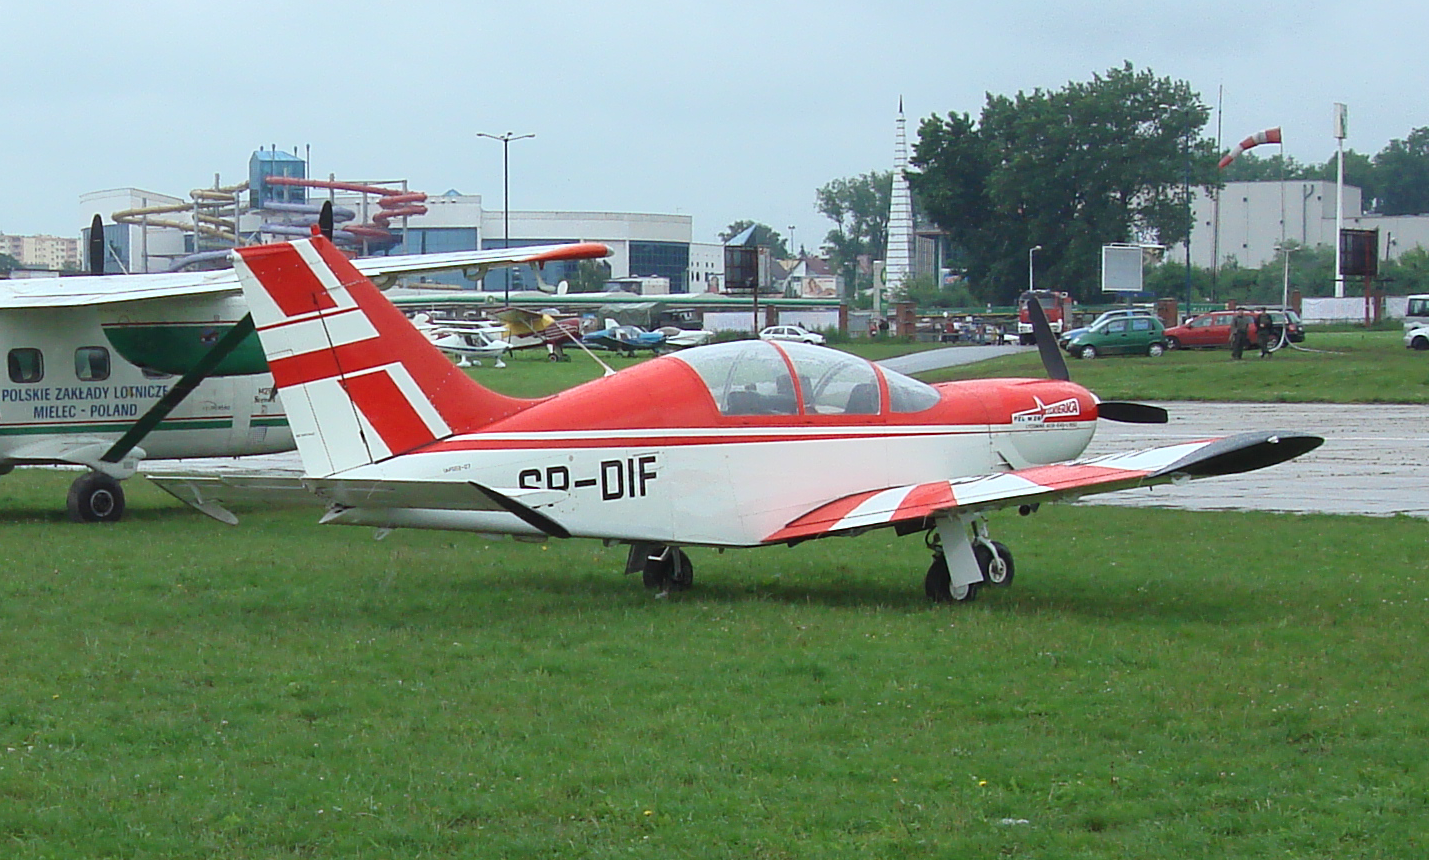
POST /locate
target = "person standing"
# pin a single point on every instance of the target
(1240, 334)
(1264, 331)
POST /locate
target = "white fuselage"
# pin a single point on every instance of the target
(67, 395)
(709, 486)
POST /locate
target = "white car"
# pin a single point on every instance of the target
(1417, 337)
(792, 332)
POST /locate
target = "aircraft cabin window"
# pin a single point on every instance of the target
(833, 382)
(747, 377)
(26, 365)
(906, 394)
(91, 363)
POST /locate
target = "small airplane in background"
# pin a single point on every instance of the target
(743, 444)
(467, 342)
(104, 371)
(626, 339)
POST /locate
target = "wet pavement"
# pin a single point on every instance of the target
(1375, 459)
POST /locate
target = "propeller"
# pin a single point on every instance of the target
(96, 246)
(325, 220)
(1112, 410)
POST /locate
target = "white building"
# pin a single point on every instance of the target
(1251, 215)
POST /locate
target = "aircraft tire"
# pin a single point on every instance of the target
(998, 575)
(95, 497)
(938, 584)
(661, 574)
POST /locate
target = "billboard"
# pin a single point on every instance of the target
(1121, 268)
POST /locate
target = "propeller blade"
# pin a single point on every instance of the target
(1046, 341)
(325, 220)
(96, 246)
(1131, 413)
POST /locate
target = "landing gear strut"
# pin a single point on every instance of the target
(662, 568)
(95, 497)
(976, 559)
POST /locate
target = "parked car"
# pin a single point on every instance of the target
(1116, 313)
(1120, 336)
(1417, 337)
(792, 332)
(1214, 329)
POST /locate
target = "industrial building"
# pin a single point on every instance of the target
(147, 231)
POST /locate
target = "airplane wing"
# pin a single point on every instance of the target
(109, 289)
(417, 264)
(915, 503)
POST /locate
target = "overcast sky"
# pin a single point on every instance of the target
(720, 111)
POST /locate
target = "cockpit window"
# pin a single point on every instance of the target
(747, 377)
(833, 382)
(906, 394)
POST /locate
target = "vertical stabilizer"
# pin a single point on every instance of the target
(359, 383)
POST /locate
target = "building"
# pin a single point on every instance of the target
(51, 253)
(1251, 215)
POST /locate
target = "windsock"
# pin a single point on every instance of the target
(1270, 135)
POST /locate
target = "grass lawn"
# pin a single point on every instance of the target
(1353, 367)
(1147, 688)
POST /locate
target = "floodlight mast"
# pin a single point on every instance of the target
(506, 191)
(1030, 251)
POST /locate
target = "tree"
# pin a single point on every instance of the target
(1108, 160)
(590, 276)
(8, 264)
(1248, 167)
(1402, 175)
(764, 235)
(859, 208)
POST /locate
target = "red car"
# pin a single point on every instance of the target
(1214, 329)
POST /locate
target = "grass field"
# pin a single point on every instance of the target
(1151, 686)
(1353, 367)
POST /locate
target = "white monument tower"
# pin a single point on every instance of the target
(899, 264)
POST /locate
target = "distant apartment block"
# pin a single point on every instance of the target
(42, 252)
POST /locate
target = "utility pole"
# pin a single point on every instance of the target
(506, 192)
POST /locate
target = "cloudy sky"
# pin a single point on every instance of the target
(720, 111)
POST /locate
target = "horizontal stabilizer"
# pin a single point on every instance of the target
(213, 493)
(919, 502)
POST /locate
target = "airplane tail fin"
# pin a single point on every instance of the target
(359, 382)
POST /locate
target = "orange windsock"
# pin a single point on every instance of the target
(1270, 135)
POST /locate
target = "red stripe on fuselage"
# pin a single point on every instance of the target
(288, 279)
(479, 443)
(388, 411)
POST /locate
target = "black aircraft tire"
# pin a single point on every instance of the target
(659, 573)
(95, 497)
(984, 562)
(938, 584)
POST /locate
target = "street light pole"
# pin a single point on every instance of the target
(506, 191)
(1030, 251)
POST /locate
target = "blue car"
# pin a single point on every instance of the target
(626, 339)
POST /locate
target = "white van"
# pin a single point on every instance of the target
(1416, 314)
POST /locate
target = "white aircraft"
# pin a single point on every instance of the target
(105, 371)
(467, 342)
(743, 444)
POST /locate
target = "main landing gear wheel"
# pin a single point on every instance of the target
(939, 585)
(95, 497)
(667, 569)
(995, 563)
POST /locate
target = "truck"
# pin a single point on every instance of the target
(1056, 305)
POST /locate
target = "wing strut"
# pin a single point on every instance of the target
(185, 386)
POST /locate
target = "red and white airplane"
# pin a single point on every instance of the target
(743, 444)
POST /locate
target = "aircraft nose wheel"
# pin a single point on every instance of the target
(995, 562)
(667, 569)
(95, 497)
(939, 585)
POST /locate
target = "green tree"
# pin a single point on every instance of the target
(590, 276)
(8, 264)
(1108, 160)
(764, 235)
(859, 208)
(1249, 167)
(1402, 175)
